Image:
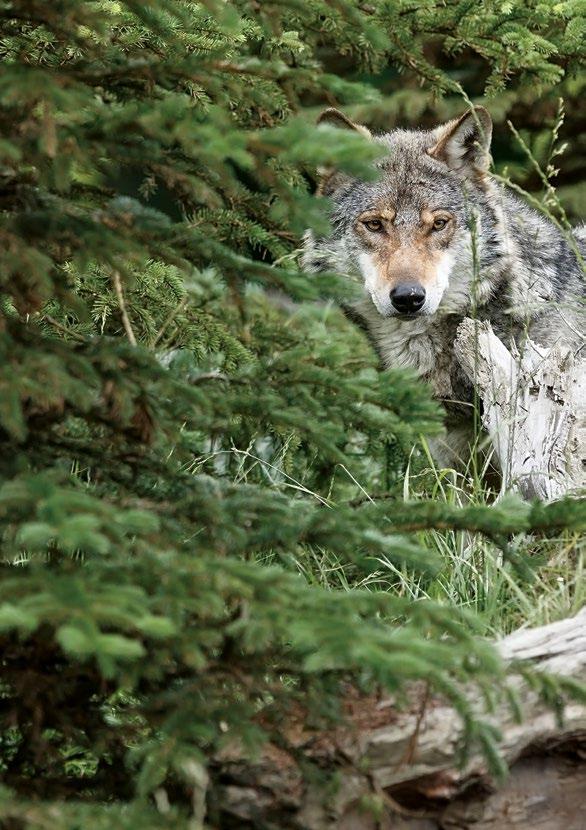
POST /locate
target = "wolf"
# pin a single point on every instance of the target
(436, 238)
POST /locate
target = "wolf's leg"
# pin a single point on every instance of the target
(454, 449)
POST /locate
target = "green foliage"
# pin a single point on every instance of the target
(184, 414)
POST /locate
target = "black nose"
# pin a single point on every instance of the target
(408, 297)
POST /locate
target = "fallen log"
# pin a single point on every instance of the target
(397, 769)
(534, 409)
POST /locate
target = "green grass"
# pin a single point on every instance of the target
(473, 575)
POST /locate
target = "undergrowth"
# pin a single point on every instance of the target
(473, 574)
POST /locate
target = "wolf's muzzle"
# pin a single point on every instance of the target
(408, 297)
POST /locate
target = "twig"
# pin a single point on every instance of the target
(178, 308)
(125, 318)
(208, 376)
(56, 324)
(409, 756)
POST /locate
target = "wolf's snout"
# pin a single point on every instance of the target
(408, 297)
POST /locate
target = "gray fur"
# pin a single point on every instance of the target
(511, 265)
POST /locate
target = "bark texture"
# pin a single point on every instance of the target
(534, 410)
(397, 769)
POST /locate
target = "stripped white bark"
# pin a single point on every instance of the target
(534, 410)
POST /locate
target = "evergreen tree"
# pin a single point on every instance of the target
(184, 413)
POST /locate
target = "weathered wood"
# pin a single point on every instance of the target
(534, 409)
(406, 761)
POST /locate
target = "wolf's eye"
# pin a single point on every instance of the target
(439, 223)
(374, 225)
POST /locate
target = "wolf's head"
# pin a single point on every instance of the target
(408, 234)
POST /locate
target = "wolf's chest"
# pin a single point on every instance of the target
(426, 349)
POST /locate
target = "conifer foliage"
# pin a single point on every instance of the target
(183, 411)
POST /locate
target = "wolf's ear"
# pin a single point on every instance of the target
(329, 179)
(464, 144)
(334, 116)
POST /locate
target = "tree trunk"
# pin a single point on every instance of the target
(398, 769)
(534, 410)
